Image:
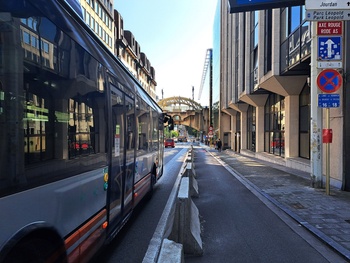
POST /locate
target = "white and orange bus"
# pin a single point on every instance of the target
(81, 143)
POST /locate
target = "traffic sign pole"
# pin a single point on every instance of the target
(346, 108)
(328, 156)
(316, 115)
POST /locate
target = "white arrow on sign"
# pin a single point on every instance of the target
(329, 44)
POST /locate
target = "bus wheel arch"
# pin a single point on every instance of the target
(39, 245)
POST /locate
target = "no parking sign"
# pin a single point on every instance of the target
(329, 80)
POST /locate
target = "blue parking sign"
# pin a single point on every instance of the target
(330, 48)
(328, 100)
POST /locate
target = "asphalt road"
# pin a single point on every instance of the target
(132, 241)
(239, 227)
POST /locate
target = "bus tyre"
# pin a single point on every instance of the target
(151, 190)
(36, 250)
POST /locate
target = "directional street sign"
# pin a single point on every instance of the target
(328, 100)
(330, 48)
(329, 80)
(327, 10)
(327, 15)
(327, 4)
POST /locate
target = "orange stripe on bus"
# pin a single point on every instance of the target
(74, 237)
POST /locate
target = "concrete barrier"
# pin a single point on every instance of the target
(190, 157)
(179, 221)
(186, 228)
(171, 252)
(191, 174)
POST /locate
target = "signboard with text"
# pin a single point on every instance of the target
(327, 4)
(328, 100)
(327, 15)
(237, 6)
(330, 28)
(327, 10)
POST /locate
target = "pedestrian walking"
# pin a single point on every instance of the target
(219, 144)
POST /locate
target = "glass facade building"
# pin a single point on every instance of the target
(264, 87)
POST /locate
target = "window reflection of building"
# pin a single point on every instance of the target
(251, 119)
(255, 47)
(81, 124)
(98, 16)
(304, 123)
(48, 50)
(275, 124)
(36, 48)
(35, 117)
(295, 36)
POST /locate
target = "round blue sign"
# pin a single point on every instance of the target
(329, 80)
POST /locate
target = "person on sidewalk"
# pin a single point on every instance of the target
(219, 144)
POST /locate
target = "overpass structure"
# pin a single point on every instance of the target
(185, 111)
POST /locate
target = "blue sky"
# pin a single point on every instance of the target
(174, 35)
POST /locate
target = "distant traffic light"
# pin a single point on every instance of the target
(171, 124)
(168, 119)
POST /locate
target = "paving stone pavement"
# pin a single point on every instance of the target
(326, 216)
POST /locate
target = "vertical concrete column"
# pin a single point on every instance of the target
(259, 129)
(291, 133)
(233, 132)
(244, 131)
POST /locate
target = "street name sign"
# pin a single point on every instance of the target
(327, 4)
(327, 15)
(328, 100)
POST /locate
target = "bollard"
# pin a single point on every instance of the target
(171, 252)
(190, 173)
(186, 227)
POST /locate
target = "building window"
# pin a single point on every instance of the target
(84, 12)
(87, 19)
(26, 37)
(34, 42)
(268, 41)
(97, 7)
(237, 54)
(274, 125)
(295, 37)
(254, 38)
(92, 23)
(238, 132)
(45, 46)
(304, 122)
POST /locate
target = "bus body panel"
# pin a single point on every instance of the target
(64, 204)
(79, 146)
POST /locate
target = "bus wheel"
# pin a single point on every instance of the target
(36, 250)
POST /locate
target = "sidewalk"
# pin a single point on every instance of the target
(326, 216)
